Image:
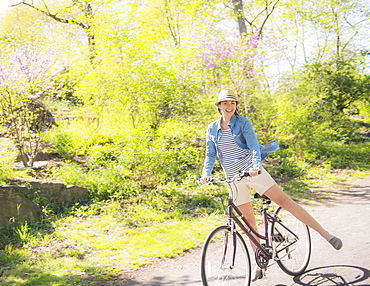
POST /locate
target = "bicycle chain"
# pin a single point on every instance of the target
(261, 260)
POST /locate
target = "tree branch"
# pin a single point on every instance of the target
(54, 16)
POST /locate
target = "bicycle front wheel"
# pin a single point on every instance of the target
(222, 263)
(291, 242)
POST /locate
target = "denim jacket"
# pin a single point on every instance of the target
(245, 138)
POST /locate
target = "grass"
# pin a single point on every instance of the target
(83, 250)
(100, 241)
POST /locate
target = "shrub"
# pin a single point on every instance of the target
(167, 154)
(64, 145)
(103, 183)
(341, 155)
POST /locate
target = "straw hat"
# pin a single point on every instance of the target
(226, 94)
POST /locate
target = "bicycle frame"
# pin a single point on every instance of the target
(247, 229)
(244, 225)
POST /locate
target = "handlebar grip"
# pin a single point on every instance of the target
(246, 173)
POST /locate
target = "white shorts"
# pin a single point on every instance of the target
(260, 183)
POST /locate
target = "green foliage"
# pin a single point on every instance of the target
(363, 108)
(18, 234)
(11, 256)
(260, 108)
(78, 137)
(112, 181)
(173, 152)
(23, 234)
(63, 145)
(6, 172)
(339, 84)
(313, 111)
(115, 155)
(105, 153)
(283, 165)
(343, 155)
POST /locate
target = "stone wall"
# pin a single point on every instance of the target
(15, 202)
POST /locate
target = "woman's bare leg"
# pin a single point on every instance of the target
(247, 211)
(278, 196)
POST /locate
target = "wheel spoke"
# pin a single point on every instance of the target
(217, 259)
(291, 244)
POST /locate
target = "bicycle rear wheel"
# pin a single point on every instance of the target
(217, 266)
(291, 244)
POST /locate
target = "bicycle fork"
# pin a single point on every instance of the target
(232, 226)
(228, 236)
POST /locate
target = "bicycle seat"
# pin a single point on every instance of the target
(264, 198)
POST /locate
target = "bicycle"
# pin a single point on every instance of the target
(225, 257)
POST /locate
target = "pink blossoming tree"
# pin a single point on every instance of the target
(25, 76)
(238, 62)
(230, 61)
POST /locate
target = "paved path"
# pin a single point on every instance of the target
(346, 214)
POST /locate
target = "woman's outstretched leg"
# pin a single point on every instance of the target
(247, 211)
(276, 194)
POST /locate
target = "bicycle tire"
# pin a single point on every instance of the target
(217, 256)
(293, 259)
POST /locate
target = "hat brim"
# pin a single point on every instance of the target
(226, 99)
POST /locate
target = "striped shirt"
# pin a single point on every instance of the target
(235, 159)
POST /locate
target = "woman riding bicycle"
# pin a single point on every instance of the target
(233, 141)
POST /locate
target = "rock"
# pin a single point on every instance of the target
(15, 204)
(73, 193)
(57, 193)
(36, 165)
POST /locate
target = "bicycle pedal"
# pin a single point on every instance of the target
(278, 238)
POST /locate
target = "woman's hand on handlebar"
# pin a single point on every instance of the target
(254, 172)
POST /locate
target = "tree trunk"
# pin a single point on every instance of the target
(239, 14)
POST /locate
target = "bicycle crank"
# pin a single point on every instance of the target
(261, 260)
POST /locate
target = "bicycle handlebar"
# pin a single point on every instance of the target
(237, 177)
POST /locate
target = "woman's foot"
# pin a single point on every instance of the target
(336, 242)
(257, 273)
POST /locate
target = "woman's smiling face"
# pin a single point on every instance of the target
(227, 107)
